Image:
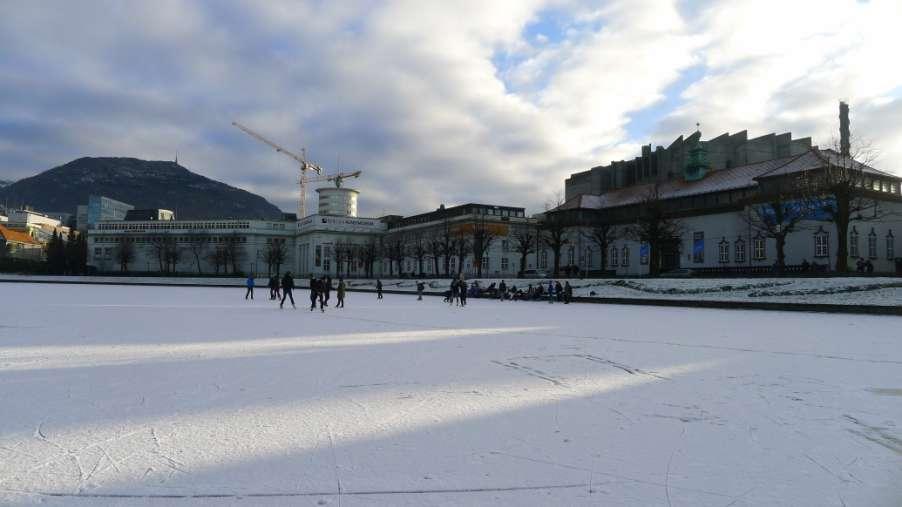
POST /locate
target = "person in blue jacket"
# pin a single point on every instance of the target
(250, 287)
(550, 291)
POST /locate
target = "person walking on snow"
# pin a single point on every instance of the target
(550, 292)
(378, 289)
(420, 287)
(273, 283)
(341, 294)
(250, 287)
(287, 288)
(327, 290)
(462, 290)
(314, 292)
(502, 290)
(568, 292)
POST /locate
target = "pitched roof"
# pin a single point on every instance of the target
(17, 236)
(745, 176)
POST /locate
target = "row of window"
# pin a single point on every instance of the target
(164, 225)
(178, 239)
(872, 244)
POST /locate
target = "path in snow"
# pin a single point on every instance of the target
(163, 395)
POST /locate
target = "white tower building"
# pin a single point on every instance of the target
(341, 202)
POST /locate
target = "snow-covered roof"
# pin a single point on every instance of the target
(716, 181)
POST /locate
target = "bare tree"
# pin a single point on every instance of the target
(524, 237)
(435, 250)
(845, 187)
(234, 251)
(218, 257)
(460, 245)
(125, 253)
(370, 252)
(394, 251)
(481, 238)
(553, 228)
(778, 216)
(601, 235)
(274, 255)
(416, 247)
(198, 246)
(654, 226)
(167, 252)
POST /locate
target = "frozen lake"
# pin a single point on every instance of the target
(116, 395)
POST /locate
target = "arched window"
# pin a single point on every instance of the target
(625, 261)
(723, 251)
(614, 261)
(739, 253)
(890, 248)
(821, 243)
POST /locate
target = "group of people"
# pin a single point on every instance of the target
(281, 289)
(457, 293)
(864, 266)
(553, 291)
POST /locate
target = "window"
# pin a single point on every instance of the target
(698, 247)
(543, 259)
(98, 251)
(872, 244)
(821, 243)
(614, 257)
(505, 245)
(758, 248)
(853, 242)
(504, 264)
(485, 263)
(452, 265)
(739, 253)
(570, 255)
(890, 250)
(318, 256)
(723, 251)
(625, 261)
(643, 253)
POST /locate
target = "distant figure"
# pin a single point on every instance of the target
(327, 291)
(502, 290)
(378, 289)
(805, 266)
(454, 292)
(859, 265)
(341, 294)
(273, 287)
(568, 292)
(869, 267)
(314, 292)
(463, 292)
(287, 288)
(250, 287)
(550, 292)
(420, 287)
(559, 291)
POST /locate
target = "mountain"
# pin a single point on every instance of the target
(5, 183)
(141, 183)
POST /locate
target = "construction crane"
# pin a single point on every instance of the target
(305, 165)
(335, 178)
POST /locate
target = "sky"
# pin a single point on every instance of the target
(436, 102)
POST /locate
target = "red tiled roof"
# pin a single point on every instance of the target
(14, 236)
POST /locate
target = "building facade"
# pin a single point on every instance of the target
(726, 217)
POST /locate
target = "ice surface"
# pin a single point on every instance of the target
(114, 395)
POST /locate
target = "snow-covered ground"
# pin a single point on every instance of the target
(879, 291)
(114, 395)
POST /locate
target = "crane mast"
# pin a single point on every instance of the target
(305, 165)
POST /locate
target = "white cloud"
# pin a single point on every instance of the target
(409, 91)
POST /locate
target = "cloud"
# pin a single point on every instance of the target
(437, 102)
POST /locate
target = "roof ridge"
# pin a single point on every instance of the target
(789, 160)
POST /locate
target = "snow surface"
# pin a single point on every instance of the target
(124, 395)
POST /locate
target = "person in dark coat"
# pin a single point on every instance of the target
(250, 287)
(568, 292)
(462, 290)
(455, 292)
(340, 292)
(502, 290)
(559, 291)
(314, 292)
(322, 290)
(420, 287)
(273, 283)
(287, 288)
(327, 290)
(378, 289)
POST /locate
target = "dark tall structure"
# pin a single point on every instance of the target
(844, 141)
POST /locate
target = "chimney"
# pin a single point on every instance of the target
(844, 144)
